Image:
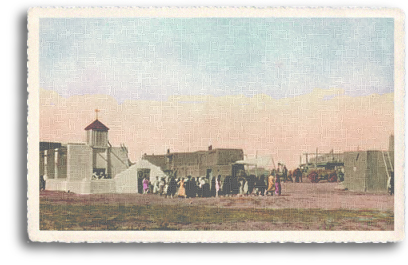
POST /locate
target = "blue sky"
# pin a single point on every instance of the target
(154, 58)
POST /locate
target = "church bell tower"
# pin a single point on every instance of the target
(97, 134)
(97, 139)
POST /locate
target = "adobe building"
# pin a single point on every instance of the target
(369, 171)
(83, 168)
(131, 180)
(212, 162)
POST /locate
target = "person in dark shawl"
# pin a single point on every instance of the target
(278, 187)
(188, 187)
(213, 190)
(287, 175)
(172, 189)
(193, 188)
(234, 186)
(298, 175)
(260, 185)
(251, 184)
(206, 188)
(226, 188)
(42, 183)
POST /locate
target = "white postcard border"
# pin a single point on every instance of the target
(35, 234)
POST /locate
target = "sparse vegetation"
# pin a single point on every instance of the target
(176, 217)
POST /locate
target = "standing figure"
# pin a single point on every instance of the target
(289, 174)
(390, 184)
(226, 188)
(177, 180)
(298, 175)
(245, 189)
(206, 188)
(241, 183)
(156, 185)
(260, 185)
(161, 186)
(251, 184)
(279, 172)
(201, 183)
(172, 188)
(187, 184)
(271, 184)
(182, 188)
(340, 174)
(234, 185)
(193, 188)
(217, 185)
(42, 183)
(278, 187)
(145, 186)
(213, 189)
(285, 173)
(166, 186)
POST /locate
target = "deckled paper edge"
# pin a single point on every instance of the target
(36, 235)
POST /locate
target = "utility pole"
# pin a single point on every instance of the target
(273, 161)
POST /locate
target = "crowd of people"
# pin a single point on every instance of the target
(240, 185)
(100, 175)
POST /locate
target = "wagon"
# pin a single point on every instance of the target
(318, 175)
(323, 171)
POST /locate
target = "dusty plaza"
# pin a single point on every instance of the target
(95, 186)
(302, 206)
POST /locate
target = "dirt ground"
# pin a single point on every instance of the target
(294, 195)
(302, 206)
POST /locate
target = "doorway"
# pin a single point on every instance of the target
(141, 174)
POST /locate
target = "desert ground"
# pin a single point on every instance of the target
(302, 206)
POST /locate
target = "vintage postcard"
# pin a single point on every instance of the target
(215, 124)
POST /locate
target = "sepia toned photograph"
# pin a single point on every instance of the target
(215, 125)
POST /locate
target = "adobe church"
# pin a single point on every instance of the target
(83, 168)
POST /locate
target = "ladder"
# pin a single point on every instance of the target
(387, 162)
(389, 168)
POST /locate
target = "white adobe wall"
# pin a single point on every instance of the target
(56, 184)
(79, 168)
(50, 166)
(119, 160)
(126, 181)
(103, 186)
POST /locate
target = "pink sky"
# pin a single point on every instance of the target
(284, 129)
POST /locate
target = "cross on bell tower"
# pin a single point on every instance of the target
(97, 133)
(96, 113)
(97, 139)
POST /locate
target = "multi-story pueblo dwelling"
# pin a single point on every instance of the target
(212, 162)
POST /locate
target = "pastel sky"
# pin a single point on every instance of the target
(154, 58)
(276, 86)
